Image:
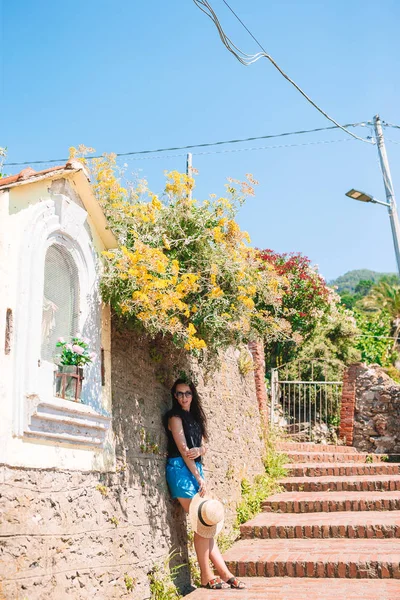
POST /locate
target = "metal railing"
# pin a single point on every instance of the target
(300, 405)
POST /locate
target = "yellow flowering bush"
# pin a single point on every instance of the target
(184, 268)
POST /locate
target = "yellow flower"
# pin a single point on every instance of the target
(248, 302)
(166, 243)
(156, 203)
(144, 316)
(175, 267)
(216, 293)
(246, 237)
(195, 343)
(191, 329)
(274, 285)
(233, 229)
(218, 235)
(160, 267)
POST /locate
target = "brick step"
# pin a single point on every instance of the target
(290, 588)
(340, 558)
(356, 483)
(370, 524)
(324, 457)
(311, 447)
(309, 502)
(341, 469)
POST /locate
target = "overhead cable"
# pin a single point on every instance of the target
(386, 124)
(205, 145)
(248, 59)
(229, 150)
(245, 149)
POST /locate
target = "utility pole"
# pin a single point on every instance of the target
(189, 171)
(387, 181)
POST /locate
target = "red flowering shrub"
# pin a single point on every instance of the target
(307, 296)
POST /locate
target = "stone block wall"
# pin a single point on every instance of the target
(78, 535)
(371, 410)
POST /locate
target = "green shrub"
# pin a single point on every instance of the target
(253, 495)
(161, 577)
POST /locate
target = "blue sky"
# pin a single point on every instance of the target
(124, 76)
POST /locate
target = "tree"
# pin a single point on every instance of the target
(333, 342)
(363, 287)
(349, 281)
(384, 297)
(350, 299)
(305, 300)
(374, 341)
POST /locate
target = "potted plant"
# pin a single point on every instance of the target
(69, 375)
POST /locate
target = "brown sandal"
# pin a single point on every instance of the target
(236, 584)
(216, 584)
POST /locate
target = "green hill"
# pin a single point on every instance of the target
(348, 281)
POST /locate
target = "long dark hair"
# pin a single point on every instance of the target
(196, 408)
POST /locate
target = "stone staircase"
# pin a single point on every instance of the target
(334, 532)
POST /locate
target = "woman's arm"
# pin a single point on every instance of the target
(176, 428)
(196, 452)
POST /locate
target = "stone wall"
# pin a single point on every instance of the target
(376, 410)
(79, 535)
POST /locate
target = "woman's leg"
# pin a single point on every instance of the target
(202, 547)
(218, 561)
(185, 502)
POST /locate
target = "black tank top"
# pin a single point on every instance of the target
(191, 429)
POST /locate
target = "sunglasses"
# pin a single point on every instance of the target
(183, 394)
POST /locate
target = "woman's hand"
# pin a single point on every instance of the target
(202, 487)
(194, 453)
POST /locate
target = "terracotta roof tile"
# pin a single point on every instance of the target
(27, 174)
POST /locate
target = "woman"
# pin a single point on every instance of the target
(186, 428)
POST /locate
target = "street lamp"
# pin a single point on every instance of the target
(394, 219)
(363, 197)
(389, 191)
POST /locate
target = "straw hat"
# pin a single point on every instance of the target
(206, 516)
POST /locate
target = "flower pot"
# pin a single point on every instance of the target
(68, 382)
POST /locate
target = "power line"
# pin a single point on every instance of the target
(274, 147)
(246, 149)
(386, 124)
(205, 145)
(248, 59)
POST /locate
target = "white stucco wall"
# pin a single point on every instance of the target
(28, 214)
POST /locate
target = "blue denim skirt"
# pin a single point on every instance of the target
(181, 482)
